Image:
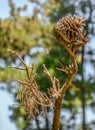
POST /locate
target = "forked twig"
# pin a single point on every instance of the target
(22, 61)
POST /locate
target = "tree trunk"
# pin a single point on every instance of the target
(83, 93)
(83, 109)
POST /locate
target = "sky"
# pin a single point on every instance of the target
(5, 98)
(5, 102)
(5, 10)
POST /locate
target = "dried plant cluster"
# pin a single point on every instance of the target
(70, 32)
(29, 94)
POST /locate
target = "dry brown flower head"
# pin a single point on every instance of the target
(71, 31)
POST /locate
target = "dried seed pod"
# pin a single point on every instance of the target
(70, 29)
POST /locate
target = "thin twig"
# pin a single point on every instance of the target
(22, 61)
